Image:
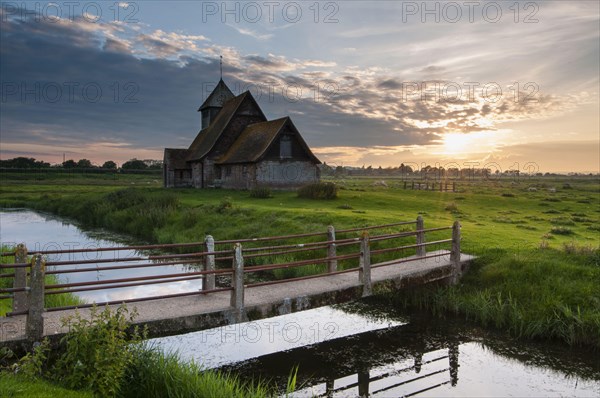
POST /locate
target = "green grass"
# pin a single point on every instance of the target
(100, 355)
(547, 293)
(16, 386)
(552, 291)
(155, 374)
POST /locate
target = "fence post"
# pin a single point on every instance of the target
(209, 263)
(331, 250)
(455, 253)
(364, 272)
(420, 237)
(34, 327)
(20, 280)
(237, 283)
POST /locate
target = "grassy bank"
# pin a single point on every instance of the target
(537, 238)
(541, 293)
(103, 357)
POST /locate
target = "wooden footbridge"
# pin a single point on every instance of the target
(238, 280)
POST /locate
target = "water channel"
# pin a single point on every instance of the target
(350, 350)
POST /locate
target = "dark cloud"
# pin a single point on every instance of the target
(433, 69)
(390, 84)
(109, 94)
(158, 47)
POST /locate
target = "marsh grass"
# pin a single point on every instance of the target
(499, 292)
(155, 374)
(561, 231)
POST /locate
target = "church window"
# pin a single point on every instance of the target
(285, 147)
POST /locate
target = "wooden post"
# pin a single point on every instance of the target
(20, 280)
(34, 327)
(363, 382)
(420, 237)
(331, 250)
(455, 253)
(453, 352)
(209, 263)
(413, 184)
(237, 283)
(364, 272)
(453, 186)
(404, 184)
(441, 186)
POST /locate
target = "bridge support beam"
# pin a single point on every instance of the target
(237, 283)
(331, 250)
(209, 263)
(20, 280)
(455, 252)
(420, 237)
(364, 273)
(34, 327)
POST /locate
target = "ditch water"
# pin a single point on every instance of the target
(46, 232)
(350, 350)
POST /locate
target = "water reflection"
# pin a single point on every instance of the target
(428, 357)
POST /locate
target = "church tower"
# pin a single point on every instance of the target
(213, 104)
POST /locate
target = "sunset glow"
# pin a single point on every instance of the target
(357, 75)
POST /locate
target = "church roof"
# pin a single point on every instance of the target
(207, 138)
(219, 95)
(176, 158)
(253, 142)
(257, 138)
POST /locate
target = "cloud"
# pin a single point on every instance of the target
(251, 33)
(152, 82)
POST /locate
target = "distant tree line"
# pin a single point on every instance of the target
(81, 164)
(429, 172)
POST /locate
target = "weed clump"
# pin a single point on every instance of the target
(319, 190)
(561, 231)
(552, 199)
(452, 207)
(225, 204)
(508, 195)
(261, 193)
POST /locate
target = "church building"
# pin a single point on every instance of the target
(238, 148)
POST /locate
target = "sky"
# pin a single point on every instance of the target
(497, 84)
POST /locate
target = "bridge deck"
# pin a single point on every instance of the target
(192, 313)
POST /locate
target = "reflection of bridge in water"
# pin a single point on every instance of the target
(398, 361)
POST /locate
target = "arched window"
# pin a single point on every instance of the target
(285, 147)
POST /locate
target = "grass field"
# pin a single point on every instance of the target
(537, 238)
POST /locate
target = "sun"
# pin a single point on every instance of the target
(456, 143)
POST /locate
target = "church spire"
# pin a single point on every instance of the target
(221, 66)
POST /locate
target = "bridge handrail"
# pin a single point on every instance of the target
(31, 298)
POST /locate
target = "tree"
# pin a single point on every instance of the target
(69, 164)
(24, 163)
(84, 164)
(134, 164)
(109, 164)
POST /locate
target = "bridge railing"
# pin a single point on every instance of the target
(339, 256)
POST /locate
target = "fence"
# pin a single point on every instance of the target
(356, 253)
(442, 186)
